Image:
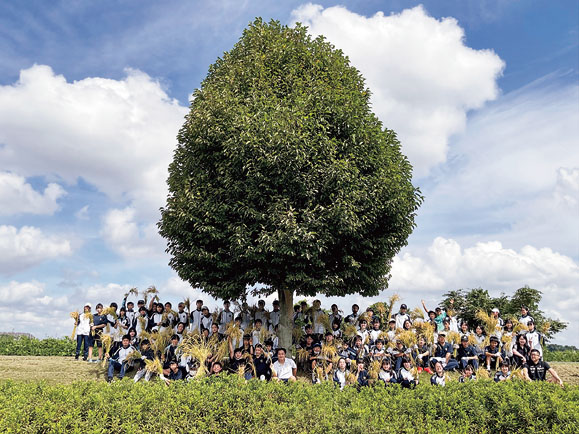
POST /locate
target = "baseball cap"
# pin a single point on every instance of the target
(464, 338)
(495, 310)
(403, 306)
(88, 305)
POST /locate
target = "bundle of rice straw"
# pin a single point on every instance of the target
(393, 299)
(133, 355)
(233, 332)
(107, 341)
(297, 333)
(491, 324)
(408, 338)
(425, 330)
(198, 349)
(110, 311)
(416, 313)
(374, 369)
(324, 319)
(151, 290)
(75, 316)
(154, 366)
(519, 327)
(454, 339)
(350, 331)
(187, 303)
(133, 291)
(482, 373)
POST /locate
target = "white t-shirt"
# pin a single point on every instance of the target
(285, 371)
(84, 324)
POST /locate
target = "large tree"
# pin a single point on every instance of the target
(283, 180)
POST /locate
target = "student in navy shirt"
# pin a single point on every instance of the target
(443, 353)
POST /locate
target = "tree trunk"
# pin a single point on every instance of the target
(286, 322)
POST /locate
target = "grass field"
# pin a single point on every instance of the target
(64, 370)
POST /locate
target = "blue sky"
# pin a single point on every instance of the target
(483, 94)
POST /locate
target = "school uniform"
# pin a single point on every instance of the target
(499, 376)
(225, 317)
(526, 319)
(400, 319)
(534, 339)
(437, 380)
(196, 316)
(183, 317)
(406, 379)
(537, 371)
(440, 353)
(340, 378)
(262, 367)
(334, 317)
(142, 372)
(524, 352)
(117, 361)
(83, 330)
(352, 318)
(262, 315)
(387, 376)
(374, 336)
(464, 379)
(206, 322)
(274, 317)
(461, 355)
(363, 378)
(141, 325)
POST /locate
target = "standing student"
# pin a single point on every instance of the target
(83, 329)
(363, 331)
(274, 317)
(261, 313)
(131, 313)
(225, 317)
(353, 317)
(196, 315)
(142, 321)
(401, 316)
(182, 316)
(534, 337)
(284, 369)
(536, 369)
(335, 315)
(99, 323)
(525, 317)
(206, 319)
(156, 319)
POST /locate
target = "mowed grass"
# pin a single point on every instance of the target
(64, 370)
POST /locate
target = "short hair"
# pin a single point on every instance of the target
(257, 320)
(534, 350)
(281, 349)
(199, 302)
(127, 337)
(145, 342)
(175, 337)
(113, 304)
(130, 302)
(355, 305)
(99, 305)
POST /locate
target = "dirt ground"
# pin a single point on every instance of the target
(67, 370)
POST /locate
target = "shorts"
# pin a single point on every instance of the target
(97, 339)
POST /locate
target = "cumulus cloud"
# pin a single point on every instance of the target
(19, 197)
(423, 77)
(28, 246)
(117, 135)
(446, 265)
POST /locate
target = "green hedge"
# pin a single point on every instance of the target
(561, 356)
(26, 346)
(230, 405)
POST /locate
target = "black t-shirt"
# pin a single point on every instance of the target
(537, 372)
(262, 366)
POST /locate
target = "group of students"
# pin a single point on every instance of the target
(353, 349)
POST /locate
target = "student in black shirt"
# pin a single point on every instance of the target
(536, 369)
(262, 364)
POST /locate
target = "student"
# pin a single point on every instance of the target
(256, 334)
(239, 363)
(496, 314)
(216, 369)
(466, 354)
(401, 316)
(146, 354)
(246, 347)
(335, 316)
(347, 352)
(493, 354)
(214, 333)
(536, 369)
(508, 339)
(182, 316)
(317, 324)
(317, 359)
(329, 339)
(438, 378)
(284, 369)
(123, 322)
(245, 315)
(525, 317)
(156, 319)
(260, 313)
(134, 340)
(262, 364)
(341, 373)
(225, 317)
(422, 357)
(142, 321)
(361, 374)
(99, 323)
(84, 323)
(387, 374)
(443, 353)
(504, 373)
(170, 353)
(353, 317)
(534, 338)
(173, 374)
(467, 374)
(118, 360)
(363, 331)
(274, 316)
(405, 377)
(196, 317)
(479, 337)
(206, 318)
(131, 313)
(375, 332)
(521, 350)
(378, 352)
(179, 330)
(391, 330)
(398, 353)
(439, 316)
(336, 329)
(464, 331)
(360, 349)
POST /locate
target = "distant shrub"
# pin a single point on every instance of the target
(561, 356)
(27, 346)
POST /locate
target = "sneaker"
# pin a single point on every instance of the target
(84, 359)
(419, 369)
(109, 379)
(75, 357)
(428, 370)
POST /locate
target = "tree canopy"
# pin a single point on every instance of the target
(283, 178)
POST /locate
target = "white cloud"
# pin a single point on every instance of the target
(130, 238)
(82, 214)
(445, 266)
(423, 77)
(19, 197)
(28, 246)
(118, 135)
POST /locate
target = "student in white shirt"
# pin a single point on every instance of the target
(196, 317)
(284, 369)
(225, 317)
(341, 373)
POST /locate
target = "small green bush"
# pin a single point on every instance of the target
(561, 356)
(230, 405)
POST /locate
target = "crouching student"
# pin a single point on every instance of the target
(536, 369)
(504, 374)
(341, 373)
(438, 378)
(422, 356)
(118, 360)
(467, 374)
(467, 354)
(493, 354)
(146, 354)
(387, 374)
(174, 373)
(443, 353)
(284, 369)
(405, 377)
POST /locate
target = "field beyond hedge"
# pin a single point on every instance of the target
(230, 405)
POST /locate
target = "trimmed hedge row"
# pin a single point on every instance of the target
(230, 405)
(26, 346)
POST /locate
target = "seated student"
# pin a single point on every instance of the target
(269, 351)
(467, 374)
(361, 373)
(118, 360)
(317, 359)
(466, 354)
(438, 378)
(247, 348)
(404, 375)
(521, 350)
(536, 369)
(493, 353)
(378, 352)
(422, 356)
(262, 364)
(443, 353)
(284, 369)
(504, 373)
(146, 354)
(170, 353)
(398, 353)
(347, 352)
(329, 339)
(464, 331)
(214, 332)
(216, 368)
(387, 374)
(173, 374)
(135, 341)
(239, 364)
(340, 373)
(359, 348)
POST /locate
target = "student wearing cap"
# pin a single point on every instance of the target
(536, 369)
(439, 315)
(401, 316)
(443, 353)
(495, 313)
(84, 323)
(284, 369)
(493, 353)
(466, 354)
